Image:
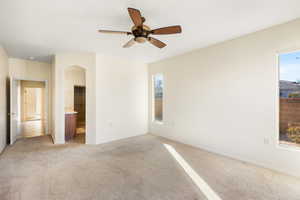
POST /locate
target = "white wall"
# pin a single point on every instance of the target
(27, 69)
(74, 76)
(224, 98)
(122, 98)
(62, 62)
(116, 96)
(36, 71)
(3, 103)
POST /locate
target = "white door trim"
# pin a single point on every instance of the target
(47, 105)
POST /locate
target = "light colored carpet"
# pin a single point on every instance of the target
(139, 168)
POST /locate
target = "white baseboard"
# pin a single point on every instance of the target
(119, 138)
(238, 157)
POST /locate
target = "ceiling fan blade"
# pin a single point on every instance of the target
(135, 16)
(129, 43)
(115, 32)
(156, 42)
(167, 30)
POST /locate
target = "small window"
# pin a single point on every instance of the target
(289, 85)
(158, 85)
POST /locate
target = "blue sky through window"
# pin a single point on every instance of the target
(290, 66)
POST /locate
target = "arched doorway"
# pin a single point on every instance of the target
(75, 104)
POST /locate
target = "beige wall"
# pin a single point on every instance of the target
(36, 71)
(62, 62)
(26, 69)
(116, 96)
(224, 98)
(122, 98)
(74, 76)
(3, 103)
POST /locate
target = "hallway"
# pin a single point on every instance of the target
(32, 128)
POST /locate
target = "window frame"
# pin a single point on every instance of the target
(153, 99)
(277, 102)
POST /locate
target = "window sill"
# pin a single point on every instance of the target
(289, 147)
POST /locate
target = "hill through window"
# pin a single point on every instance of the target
(289, 86)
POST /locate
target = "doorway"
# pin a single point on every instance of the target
(28, 109)
(79, 107)
(32, 108)
(75, 104)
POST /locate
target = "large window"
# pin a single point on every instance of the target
(158, 85)
(289, 85)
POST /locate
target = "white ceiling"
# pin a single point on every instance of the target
(41, 28)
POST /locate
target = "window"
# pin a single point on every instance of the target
(158, 85)
(289, 85)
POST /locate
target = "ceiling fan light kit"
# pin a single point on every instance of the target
(142, 32)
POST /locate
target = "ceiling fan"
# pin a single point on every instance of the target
(142, 32)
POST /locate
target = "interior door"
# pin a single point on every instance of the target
(13, 110)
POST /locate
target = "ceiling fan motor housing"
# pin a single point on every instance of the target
(141, 33)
